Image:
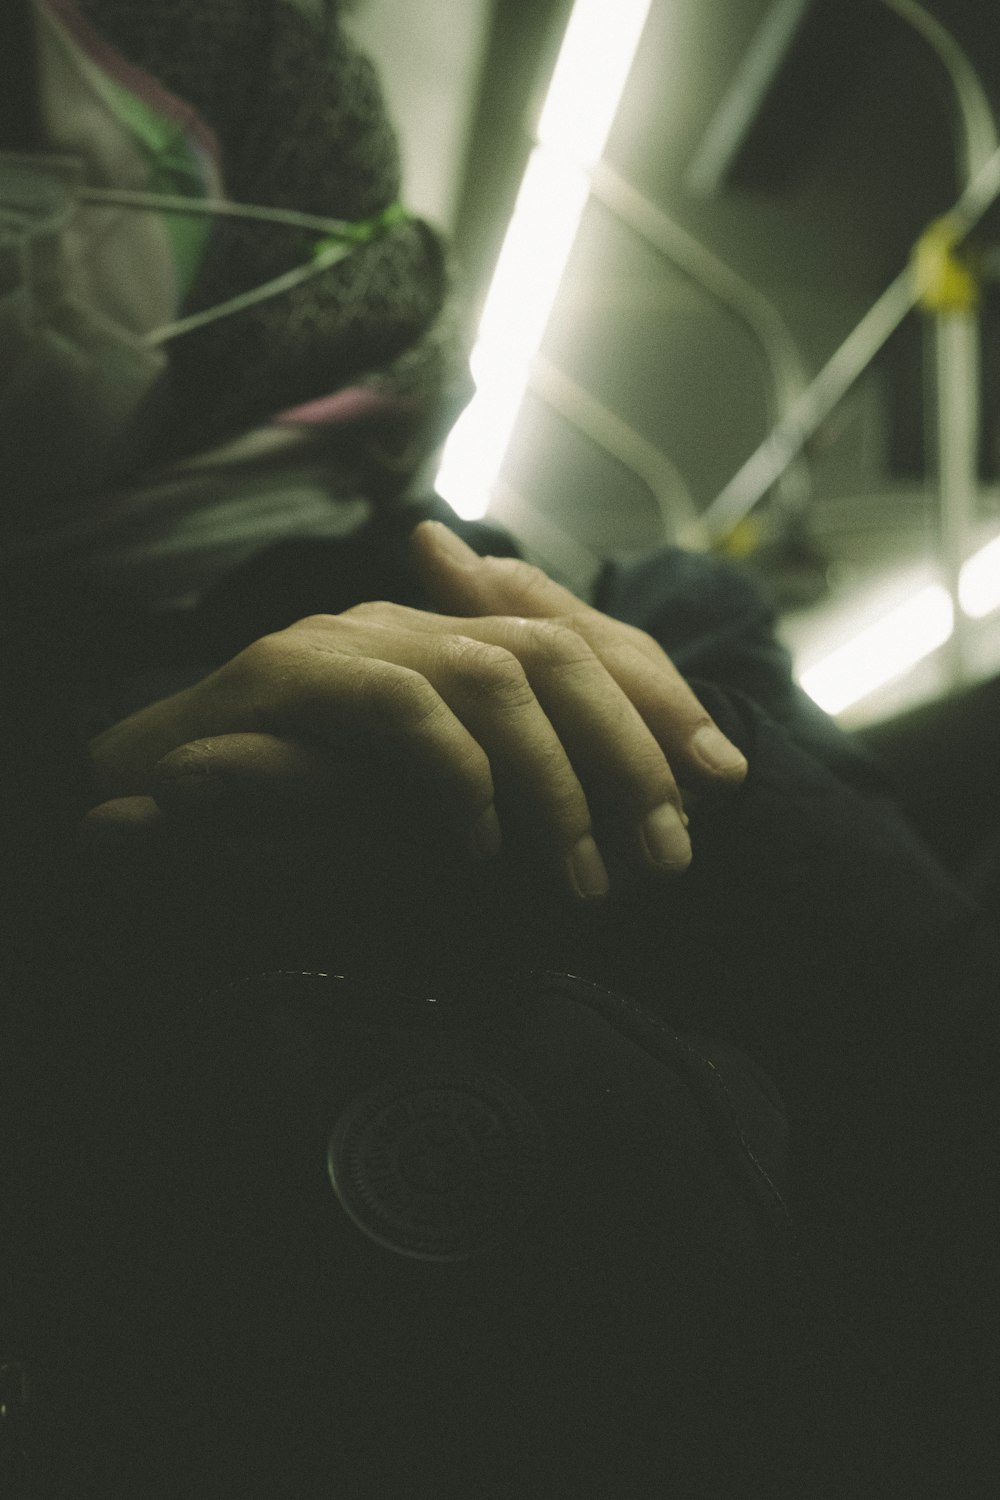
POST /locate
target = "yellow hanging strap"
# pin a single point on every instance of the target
(742, 540)
(945, 282)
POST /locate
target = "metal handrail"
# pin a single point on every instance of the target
(644, 460)
(786, 441)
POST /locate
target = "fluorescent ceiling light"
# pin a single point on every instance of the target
(889, 648)
(883, 652)
(979, 585)
(524, 288)
(590, 75)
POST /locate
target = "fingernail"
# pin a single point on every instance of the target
(664, 838)
(587, 871)
(719, 754)
(452, 546)
(486, 838)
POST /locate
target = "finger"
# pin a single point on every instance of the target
(538, 787)
(456, 693)
(240, 777)
(461, 582)
(264, 786)
(699, 753)
(121, 824)
(626, 777)
(297, 686)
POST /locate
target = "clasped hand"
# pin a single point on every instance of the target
(518, 719)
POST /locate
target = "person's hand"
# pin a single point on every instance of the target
(520, 717)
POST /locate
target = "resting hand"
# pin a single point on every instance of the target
(520, 717)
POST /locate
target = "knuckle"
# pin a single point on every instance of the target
(527, 582)
(526, 575)
(262, 677)
(488, 671)
(374, 612)
(470, 771)
(587, 625)
(400, 699)
(190, 760)
(314, 622)
(266, 657)
(557, 643)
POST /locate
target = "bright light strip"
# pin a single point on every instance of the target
(594, 62)
(888, 649)
(979, 584)
(883, 652)
(529, 271)
(590, 75)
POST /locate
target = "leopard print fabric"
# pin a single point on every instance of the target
(301, 124)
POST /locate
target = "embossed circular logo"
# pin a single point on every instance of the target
(438, 1167)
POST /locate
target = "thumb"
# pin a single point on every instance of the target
(120, 826)
(251, 780)
(460, 582)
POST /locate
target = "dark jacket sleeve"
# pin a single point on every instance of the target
(818, 877)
